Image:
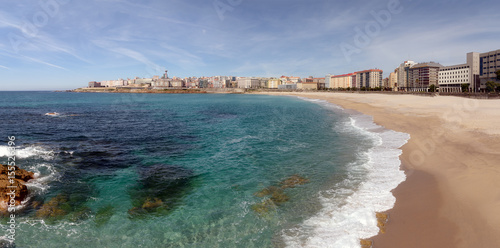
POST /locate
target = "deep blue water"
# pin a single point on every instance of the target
(200, 158)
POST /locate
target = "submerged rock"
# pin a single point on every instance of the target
(292, 181)
(164, 180)
(150, 204)
(104, 214)
(268, 191)
(279, 197)
(263, 207)
(275, 195)
(160, 188)
(57, 207)
(13, 190)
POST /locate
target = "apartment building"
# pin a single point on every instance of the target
(422, 75)
(489, 63)
(403, 74)
(273, 83)
(393, 80)
(342, 81)
(248, 83)
(369, 78)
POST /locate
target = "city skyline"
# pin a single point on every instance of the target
(57, 45)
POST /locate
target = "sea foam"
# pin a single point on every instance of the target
(27, 152)
(348, 213)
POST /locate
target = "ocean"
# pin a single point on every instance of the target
(196, 170)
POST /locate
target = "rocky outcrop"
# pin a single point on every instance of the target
(160, 188)
(13, 190)
(274, 196)
(293, 181)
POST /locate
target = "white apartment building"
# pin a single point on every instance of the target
(327, 80)
(248, 83)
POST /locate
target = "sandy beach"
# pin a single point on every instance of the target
(451, 197)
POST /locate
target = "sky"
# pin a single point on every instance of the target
(64, 44)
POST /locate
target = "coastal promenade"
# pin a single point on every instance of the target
(451, 196)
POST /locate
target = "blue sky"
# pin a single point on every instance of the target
(64, 44)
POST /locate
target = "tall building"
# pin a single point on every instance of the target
(403, 74)
(489, 63)
(451, 78)
(369, 78)
(421, 76)
(327, 80)
(393, 79)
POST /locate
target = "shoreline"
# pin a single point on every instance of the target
(449, 197)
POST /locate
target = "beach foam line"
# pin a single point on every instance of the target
(348, 214)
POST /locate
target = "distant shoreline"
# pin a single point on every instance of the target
(133, 90)
(271, 91)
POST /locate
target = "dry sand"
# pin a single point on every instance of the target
(451, 197)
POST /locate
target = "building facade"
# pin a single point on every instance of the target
(403, 74)
(489, 63)
(327, 80)
(307, 85)
(273, 83)
(288, 86)
(422, 75)
(393, 80)
(248, 83)
(451, 78)
(94, 84)
(342, 81)
(369, 78)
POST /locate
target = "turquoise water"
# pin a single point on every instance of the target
(203, 156)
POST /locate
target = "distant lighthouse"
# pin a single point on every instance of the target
(166, 74)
